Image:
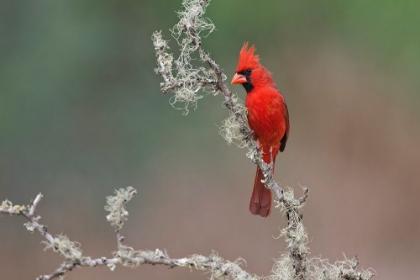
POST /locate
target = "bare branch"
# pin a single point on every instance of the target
(35, 204)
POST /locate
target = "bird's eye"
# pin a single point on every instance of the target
(248, 71)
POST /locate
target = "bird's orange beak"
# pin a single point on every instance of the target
(238, 79)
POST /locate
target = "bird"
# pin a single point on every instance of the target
(268, 118)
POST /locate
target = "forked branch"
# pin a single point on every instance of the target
(124, 255)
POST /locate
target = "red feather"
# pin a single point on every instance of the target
(247, 58)
(268, 117)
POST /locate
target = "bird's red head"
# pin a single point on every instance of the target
(249, 72)
(247, 58)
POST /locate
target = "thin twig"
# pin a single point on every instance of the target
(120, 239)
(158, 257)
(30, 216)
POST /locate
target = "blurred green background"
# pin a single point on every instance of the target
(81, 114)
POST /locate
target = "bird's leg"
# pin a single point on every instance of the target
(271, 161)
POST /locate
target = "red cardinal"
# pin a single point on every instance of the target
(267, 117)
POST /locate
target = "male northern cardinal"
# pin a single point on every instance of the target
(268, 117)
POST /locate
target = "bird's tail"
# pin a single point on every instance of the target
(260, 203)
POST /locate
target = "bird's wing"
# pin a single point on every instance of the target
(286, 134)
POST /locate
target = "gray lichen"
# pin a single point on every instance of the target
(116, 206)
(188, 82)
(67, 248)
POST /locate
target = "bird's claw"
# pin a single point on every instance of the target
(248, 133)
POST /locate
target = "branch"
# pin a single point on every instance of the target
(231, 103)
(32, 224)
(191, 24)
(235, 130)
(215, 264)
(200, 81)
(125, 256)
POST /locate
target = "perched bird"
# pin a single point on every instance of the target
(268, 117)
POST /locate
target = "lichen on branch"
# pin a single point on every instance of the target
(67, 248)
(317, 268)
(187, 82)
(116, 206)
(124, 255)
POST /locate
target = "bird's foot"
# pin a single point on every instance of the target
(248, 133)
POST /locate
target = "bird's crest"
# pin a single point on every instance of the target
(247, 58)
